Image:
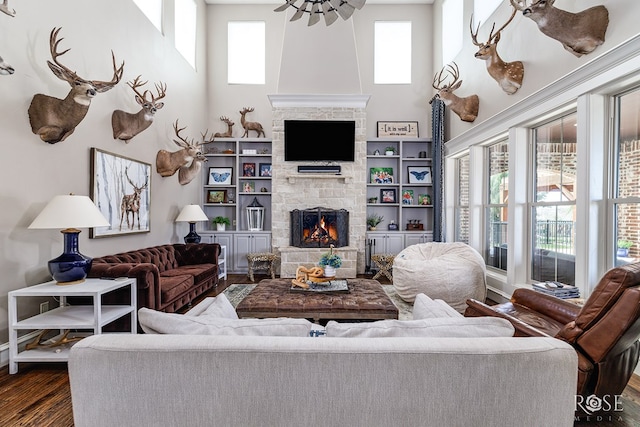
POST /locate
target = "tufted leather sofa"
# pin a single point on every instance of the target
(169, 276)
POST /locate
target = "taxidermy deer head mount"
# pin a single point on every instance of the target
(466, 108)
(5, 68)
(168, 163)
(509, 75)
(4, 7)
(250, 125)
(580, 33)
(186, 174)
(229, 131)
(126, 125)
(55, 119)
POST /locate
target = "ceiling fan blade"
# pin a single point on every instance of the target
(314, 18)
(345, 10)
(330, 14)
(356, 3)
(300, 11)
(284, 6)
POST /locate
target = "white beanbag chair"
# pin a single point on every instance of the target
(452, 272)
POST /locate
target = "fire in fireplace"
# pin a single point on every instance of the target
(319, 227)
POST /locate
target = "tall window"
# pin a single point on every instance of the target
(462, 200)
(452, 29)
(553, 210)
(392, 52)
(482, 9)
(243, 68)
(626, 200)
(497, 196)
(185, 26)
(153, 10)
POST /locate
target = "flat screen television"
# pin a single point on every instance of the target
(319, 140)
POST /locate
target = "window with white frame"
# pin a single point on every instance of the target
(626, 191)
(496, 200)
(243, 68)
(553, 207)
(482, 9)
(185, 28)
(462, 200)
(392, 52)
(153, 11)
(452, 29)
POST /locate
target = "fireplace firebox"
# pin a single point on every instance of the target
(319, 227)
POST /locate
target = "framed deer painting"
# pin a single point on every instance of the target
(120, 188)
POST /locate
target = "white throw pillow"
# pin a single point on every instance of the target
(214, 306)
(157, 322)
(448, 327)
(426, 308)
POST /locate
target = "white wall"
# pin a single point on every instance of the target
(33, 171)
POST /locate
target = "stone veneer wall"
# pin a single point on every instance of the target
(292, 190)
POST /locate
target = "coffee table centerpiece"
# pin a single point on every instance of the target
(330, 261)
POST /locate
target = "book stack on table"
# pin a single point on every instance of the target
(557, 289)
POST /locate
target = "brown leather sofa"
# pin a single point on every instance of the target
(604, 331)
(169, 276)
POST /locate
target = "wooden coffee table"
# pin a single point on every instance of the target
(366, 300)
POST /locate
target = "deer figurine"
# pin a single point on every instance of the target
(466, 108)
(4, 7)
(5, 68)
(126, 125)
(131, 203)
(250, 125)
(229, 131)
(168, 163)
(55, 119)
(509, 75)
(186, 174)
(580, 33)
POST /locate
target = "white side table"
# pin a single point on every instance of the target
(65, 317)
(222, 263)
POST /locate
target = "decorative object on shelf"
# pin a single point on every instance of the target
(419, 174)
(70, 213)
(5, 68)
(4, 7)
(407, 197)
(249, 187)
(127, 125)
(54, 119)
(406, 129)
(390, 150)
(580, 33)
(376, 152)
(264, 190)
(373, 220)
(329, 9)
(221, 222)
(248, 169)
(254, 126)
(121, 189)
(330, 261)
(422, 155)
(229, 131)
(388, 195)
(509, 75)
(424, 199)
(381, 175)
(265, 170)
(466, 108)
(623, 248)
(372, 200)
(168, 163)
(255, 215)
(217, 196)
(392, 226)
(414, 224)
(249, 151)
(220, 176)
(192, 214)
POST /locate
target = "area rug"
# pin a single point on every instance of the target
(236, 293)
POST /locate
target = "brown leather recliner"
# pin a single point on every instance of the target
(604, 331)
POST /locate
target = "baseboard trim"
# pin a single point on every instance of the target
(4, 347)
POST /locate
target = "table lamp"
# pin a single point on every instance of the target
(192, 214)
(70, 213)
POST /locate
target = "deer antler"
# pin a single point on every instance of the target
(102, 86)
(161, 88)
(53, 48)
(185, 143)
(497, 34)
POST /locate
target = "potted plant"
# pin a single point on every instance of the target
(373, 220)
(221, 222)
(623, 248)
(330, 261)
(390, 151)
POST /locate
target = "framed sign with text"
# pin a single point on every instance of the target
(407, 129)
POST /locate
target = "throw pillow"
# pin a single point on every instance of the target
(426, 308)
(447, 327)
(219, 306)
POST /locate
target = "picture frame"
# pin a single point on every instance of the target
(220, 176)
(248, 187)
(397, 128)
(407, 197)
(217, 196)
(419, 174)
(248, 169)
(119, 182)
(381, 175)
(424, 199)
(388, 195)
(265, 170)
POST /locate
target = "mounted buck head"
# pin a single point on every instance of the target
(229, 131)
(55, 119)
(509, 75)
(466, 108)
(186, 174)
(580, 33)
(126, 125)
(250, 125)
(168, 163)
(5, 68)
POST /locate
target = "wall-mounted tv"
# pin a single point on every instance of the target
(319, 140)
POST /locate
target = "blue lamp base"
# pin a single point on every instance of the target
(71, 267)
(192, 237)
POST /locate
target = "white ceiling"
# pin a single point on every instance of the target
(393, 2)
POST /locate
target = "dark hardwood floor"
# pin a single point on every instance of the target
(39, 395)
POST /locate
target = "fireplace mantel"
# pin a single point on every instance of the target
(319, 100)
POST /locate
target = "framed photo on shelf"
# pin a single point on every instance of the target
(381, 175)
(388, 195)
(265, 169)
(217, 196)
(407, 197)
(220, 176)
(424, 199)
(249, 187)
(419, 174)
(248, 169)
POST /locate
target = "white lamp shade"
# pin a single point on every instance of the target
(70, 211)
(192, 213)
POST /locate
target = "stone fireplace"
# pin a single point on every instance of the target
(319, 228)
